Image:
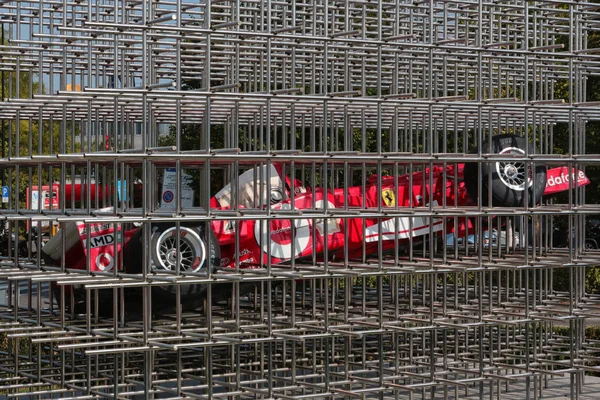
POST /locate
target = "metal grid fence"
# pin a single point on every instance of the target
(104, 101)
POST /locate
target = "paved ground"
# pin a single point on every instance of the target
(557, 388)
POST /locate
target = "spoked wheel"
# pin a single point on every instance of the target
(189, 249)
(184, 251)
(510, 179)
(514, 174)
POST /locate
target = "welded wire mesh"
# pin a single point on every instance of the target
(353, 254)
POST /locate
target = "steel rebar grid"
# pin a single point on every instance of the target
(334, 92)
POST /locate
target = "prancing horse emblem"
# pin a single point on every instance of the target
(389, 198)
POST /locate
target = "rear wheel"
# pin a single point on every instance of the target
(511, 179)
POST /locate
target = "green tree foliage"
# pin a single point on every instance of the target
(22, 136)
(193, 137)
(565, 136)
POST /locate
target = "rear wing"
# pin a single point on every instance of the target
(564, 178)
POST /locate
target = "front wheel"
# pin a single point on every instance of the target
(184, 246)
(185, 250)
(510, 179)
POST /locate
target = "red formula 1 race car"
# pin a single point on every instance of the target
(192, 248)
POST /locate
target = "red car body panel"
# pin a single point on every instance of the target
(305, 235)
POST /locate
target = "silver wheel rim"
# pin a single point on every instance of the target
(190, 255)
(514, 174)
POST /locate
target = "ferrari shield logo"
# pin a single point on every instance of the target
(389, 198)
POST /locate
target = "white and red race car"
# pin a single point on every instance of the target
(365, 219)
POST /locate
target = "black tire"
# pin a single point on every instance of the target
(509, 178)
(196, 254)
